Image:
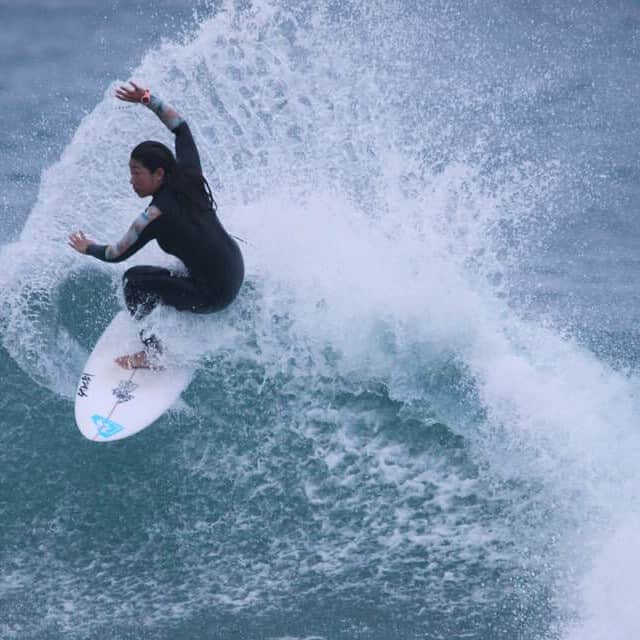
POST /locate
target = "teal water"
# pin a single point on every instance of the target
(419, 419)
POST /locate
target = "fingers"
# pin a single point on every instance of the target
(126, 94)
(129, 94)
(78, 241)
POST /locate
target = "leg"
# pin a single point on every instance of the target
(146, 287)
(138, 286)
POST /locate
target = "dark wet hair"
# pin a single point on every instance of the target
(188, 183)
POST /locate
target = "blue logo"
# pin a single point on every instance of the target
(106, 427)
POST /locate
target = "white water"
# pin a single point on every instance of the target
(366, 246)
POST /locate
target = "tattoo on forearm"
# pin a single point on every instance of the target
(113, 252)
(169, 116)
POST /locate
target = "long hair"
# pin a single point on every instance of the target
(190, 186)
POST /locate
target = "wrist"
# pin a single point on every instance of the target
(154, 104)
(146, 97)
(97, 251)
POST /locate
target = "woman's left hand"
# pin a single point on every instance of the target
(79, 242)
(130, 95)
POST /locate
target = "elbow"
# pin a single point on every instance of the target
(111, 255)
(178, 124)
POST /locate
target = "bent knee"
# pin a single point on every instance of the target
(143, 272)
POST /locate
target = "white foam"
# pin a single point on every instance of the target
(360, 251)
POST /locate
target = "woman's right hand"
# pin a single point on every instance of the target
(79, 242)
(131, 95)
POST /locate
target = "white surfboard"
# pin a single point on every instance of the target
(114, 403)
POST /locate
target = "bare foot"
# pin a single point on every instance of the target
(138, 360)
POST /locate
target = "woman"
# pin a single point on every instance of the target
(182, 219)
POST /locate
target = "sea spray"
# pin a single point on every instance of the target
(378, 442)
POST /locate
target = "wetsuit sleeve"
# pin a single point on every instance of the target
(186, 150)
(138, 234)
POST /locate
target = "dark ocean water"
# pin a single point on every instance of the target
(420, 417)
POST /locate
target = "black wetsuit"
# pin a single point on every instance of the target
(212, 257)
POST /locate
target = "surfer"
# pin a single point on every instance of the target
(182, 218)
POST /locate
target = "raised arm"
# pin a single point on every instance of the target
(186, 150)
(168, 115)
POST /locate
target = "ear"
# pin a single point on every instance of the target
(158, 174)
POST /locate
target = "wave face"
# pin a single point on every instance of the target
(400, 429)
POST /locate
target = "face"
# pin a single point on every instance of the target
(144, 182)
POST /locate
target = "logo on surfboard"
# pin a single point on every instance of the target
(124, 391)
(83, 387)
(106, 427)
